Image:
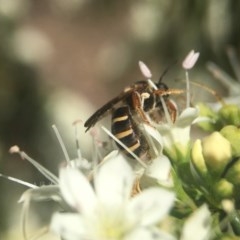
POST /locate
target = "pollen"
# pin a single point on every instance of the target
(111, 226)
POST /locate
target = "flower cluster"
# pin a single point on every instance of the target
(189, 189)
(107, 211)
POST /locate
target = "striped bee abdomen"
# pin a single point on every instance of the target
(125, 129)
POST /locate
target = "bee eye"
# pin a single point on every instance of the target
(162, 86)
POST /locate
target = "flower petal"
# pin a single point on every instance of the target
(148, 234)
(76, 189)
(68, 225)
(187, 116)
(160, 169)
(42, 193)
(173, 135)
(150, 206)
(155, 135)
(114, 181)
(197, 226)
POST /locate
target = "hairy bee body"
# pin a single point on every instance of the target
(138, 103)
(125, 129)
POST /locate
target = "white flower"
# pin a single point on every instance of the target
(197, 226)
(107, 211)
(176, 136)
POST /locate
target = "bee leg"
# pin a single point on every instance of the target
(172, 107)
(137, 105)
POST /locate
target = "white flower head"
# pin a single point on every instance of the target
(107, 211)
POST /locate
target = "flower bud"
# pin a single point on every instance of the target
(233, 173)
(217, 152)
(197, 158)
(230, 114)
(232, 134)
(224, 189)
(206, 111)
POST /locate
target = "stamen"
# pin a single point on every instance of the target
(219, 74)
(152, 84)
(165, 109)
(187, 64)
(187, 90)
(143, 97)
(21, 182)
(190, 60)
(61, 143)
(144, 69)
(45, 172)
(50, 176)
(14, 149)
(234, 62)
(124, 146)
(150, 140)
(96, 145)
(224, 78)
(94, 133)
(75, 123)
(84, 164)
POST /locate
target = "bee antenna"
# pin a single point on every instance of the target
(166, 70)
(210, 90)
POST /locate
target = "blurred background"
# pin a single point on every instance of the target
(62, 59)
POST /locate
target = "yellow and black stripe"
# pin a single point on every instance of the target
(125, 129)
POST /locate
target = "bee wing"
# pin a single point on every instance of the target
(105, 108)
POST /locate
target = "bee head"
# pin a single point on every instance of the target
(162, 86)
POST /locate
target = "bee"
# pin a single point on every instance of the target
(138, 103)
